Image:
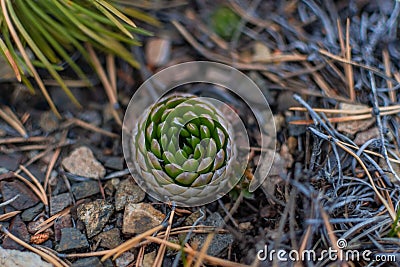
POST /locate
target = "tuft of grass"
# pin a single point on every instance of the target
(44, 34)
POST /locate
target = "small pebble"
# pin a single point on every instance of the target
(125, 259)
(15, 258)
(17, 228)
(220, 241)
(62, 222)
(48, 121)
(83, 163)
(29, 214)
(85, 189)
(95, 215)
(148, 259)
(109, 239)
(128, 192)
(72, 240)
(141, 217)
(86, 262)
(26, 198)
(158, 51)
(59, 202)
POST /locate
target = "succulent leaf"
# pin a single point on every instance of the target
(188, 149)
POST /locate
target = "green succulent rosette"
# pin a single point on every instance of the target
(183, 150)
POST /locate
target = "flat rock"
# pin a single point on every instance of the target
(141, 217)
(15, 258)
(11, 161)
(109, 239)
(115, 163)
(128, 192)
(125, 259)
(85, 189)
(95, 215)
(83, 163)
(26, 197)
(220, 241)
(18, 228)
(29, 214)
(61, 223)
(91, 261)
(59, 202)
(72, 240)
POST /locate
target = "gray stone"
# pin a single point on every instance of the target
(125, 259)
(15, 258)
(29, 214)
(128, 192)
(109, 239)
(26, 198)
(17, 228)
(141, 217)
(83, 163)
(72, 240)
(220, 241)
(115, 163)
(85, 189)
(59, 202)
(91, 261)
(10, 161)
(108, 263)
(95, 215)
(62, 222)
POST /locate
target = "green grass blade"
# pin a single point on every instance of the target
(40, 55)
(116, 12)
(114, 20)
(8, 56)
(57, 47)
(139, 15)
(5, 4)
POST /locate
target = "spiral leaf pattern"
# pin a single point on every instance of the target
(183, 149)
